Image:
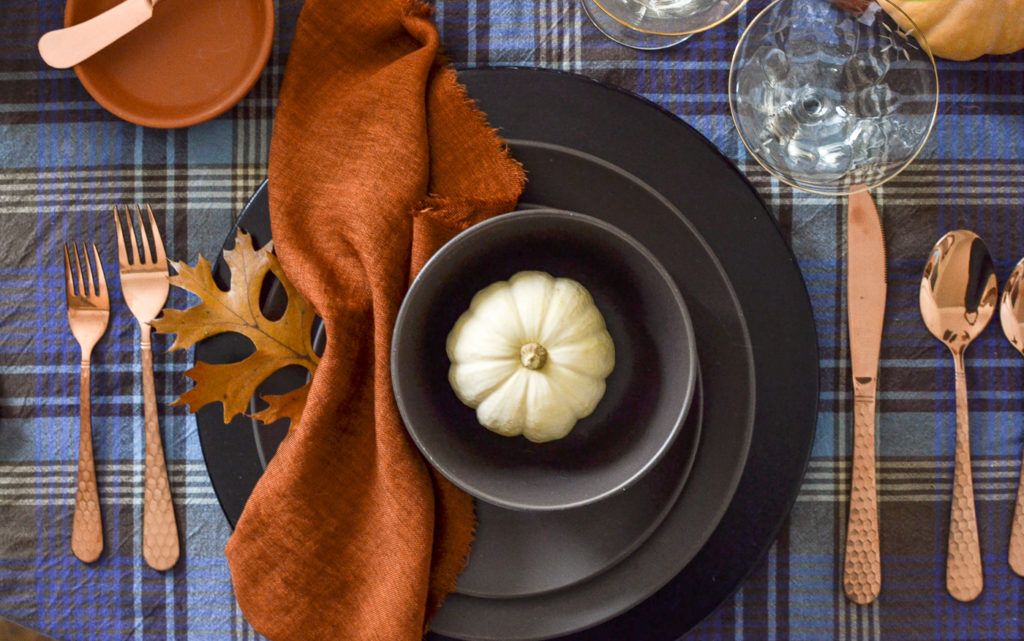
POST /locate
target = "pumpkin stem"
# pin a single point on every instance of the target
(533, 355)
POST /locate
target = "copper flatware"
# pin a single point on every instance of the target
(63, 48)
(88, 312)
(958, 299)
(865, 295)
(145, 284)
(1011, 316)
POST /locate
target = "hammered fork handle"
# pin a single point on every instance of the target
(87, 524)
(964, 578)
(159, 527)
(862, 571)
(1017, 529)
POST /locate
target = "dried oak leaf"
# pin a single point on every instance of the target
(279, 343)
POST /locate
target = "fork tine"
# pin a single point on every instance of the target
(122, 254)
(134, 257)
(148, 258)
(69, 285)
(78, 264)
(90, 284)
(158, 241)
(99, 274)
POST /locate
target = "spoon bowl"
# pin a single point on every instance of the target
(958, 289)
(1011, 316)
(1011, 308)
(958, 299)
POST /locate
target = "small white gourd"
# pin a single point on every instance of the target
(531, 354)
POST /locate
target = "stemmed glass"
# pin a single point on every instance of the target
(830, 100)
(657, 24)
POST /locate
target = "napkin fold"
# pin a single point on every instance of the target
(377, 158)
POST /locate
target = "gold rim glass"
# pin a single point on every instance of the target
(657, 24)
(832, 101)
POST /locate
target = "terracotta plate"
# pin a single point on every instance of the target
(190, 62)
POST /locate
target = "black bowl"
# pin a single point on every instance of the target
(647, 395)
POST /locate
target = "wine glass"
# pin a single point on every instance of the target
(830, 100)
(657, 24)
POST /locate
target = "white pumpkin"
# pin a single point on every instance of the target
(531, 354)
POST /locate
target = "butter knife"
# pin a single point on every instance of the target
(865, 295)
(63, 48)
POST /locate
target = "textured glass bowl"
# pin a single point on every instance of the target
(829, 101)
(657, 24)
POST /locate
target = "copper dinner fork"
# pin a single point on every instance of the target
(88, 312)
(145, 284)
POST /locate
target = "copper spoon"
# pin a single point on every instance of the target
(1011, 314)
(958, 299)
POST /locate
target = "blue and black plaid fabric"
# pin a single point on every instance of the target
(64, 162)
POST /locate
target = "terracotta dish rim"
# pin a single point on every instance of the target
(186, 119)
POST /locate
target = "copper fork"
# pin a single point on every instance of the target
(145, 283)
(88, 312)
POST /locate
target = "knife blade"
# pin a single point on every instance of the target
(63, 48)
(11, 631)
(865, 295)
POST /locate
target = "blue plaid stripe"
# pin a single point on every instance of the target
(64, 162)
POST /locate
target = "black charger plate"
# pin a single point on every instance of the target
(684, 168)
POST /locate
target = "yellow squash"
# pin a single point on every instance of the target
(965, 29)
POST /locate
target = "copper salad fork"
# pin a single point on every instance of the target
(145, 284)
(88, 312)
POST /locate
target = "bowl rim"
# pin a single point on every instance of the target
(403, 318)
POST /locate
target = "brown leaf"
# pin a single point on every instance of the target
(278, 343)
(286, 405)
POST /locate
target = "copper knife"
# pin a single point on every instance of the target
(865, 295)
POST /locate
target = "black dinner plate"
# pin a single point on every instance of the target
(562, 177)
(677, 163)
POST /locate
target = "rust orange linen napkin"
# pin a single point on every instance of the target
(377, 159)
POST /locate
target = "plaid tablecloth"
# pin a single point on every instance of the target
(64, 162)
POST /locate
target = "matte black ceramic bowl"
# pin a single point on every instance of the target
(647, 396)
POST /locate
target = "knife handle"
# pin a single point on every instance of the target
(63, 48)
(963, 561)
(862, 571)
